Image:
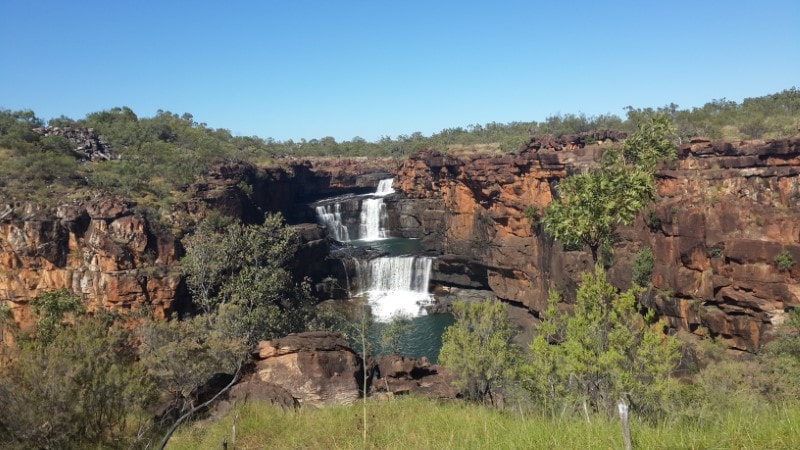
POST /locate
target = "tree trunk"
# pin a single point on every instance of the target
(594, 248)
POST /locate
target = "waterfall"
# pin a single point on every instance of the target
(371, 219)
(385, 187)
(395, 284)
(373, 215)
(332, 219)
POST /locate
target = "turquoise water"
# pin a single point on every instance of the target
(394, 246)
(425, 339)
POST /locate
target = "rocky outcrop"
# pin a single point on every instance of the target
(319, 368)
(108, 251)
(315, 368)
(399, 375)
(102, 250)
(88, 145)
(572, 141)
(724, 211)
(245, 191)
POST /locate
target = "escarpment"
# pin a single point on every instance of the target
(724, 229)
(114, 254)
(101, 249)
(723, 213)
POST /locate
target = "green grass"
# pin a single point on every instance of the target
(414, 423)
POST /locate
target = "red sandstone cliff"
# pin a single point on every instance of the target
(101, 250)
(107, 250)
(725, 211)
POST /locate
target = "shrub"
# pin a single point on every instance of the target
(75, 383)
(642, 268)
(602, 353)
(784, 260)
(478, 348)
(653, 221)
(392, 333)
(532, 213)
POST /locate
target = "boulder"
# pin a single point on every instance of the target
(399, 374)
(316, 368)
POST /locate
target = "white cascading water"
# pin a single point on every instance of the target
(395, 284)
(385, 187)
(373, 213)
(331, 217)
(372, 216)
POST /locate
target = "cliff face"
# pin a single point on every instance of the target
(108, 252)
(723, 212)
(101, 249)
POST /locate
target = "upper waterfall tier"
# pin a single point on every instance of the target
(385, 187)
(344, 225)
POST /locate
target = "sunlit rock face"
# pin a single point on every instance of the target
(101, 250)
(722, 214)
(106, 250)
(724, 211)
(315, 368)
(319, 368)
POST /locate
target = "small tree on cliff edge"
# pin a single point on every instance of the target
(591, 205)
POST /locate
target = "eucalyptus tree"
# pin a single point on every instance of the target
(589, 206)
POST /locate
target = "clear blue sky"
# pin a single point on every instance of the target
(309, 69)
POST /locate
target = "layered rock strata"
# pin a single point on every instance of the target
(101, 250)
(108, 250)
(315, 368)
(724, 212)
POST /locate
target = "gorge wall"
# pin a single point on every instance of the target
(112, 253)
(722, 213)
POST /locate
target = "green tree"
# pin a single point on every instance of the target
(182, 355)
(54, 311)
(653, 141)
(238, 277)
(605, 351)
(591, 205)
(478, 348)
